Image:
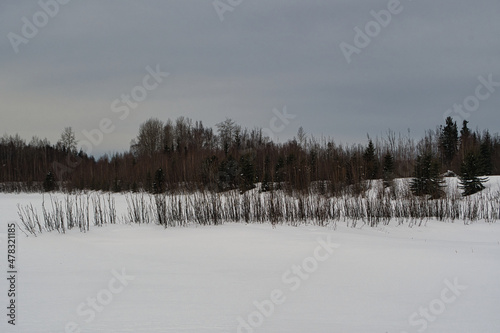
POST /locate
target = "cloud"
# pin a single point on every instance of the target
(264, 55)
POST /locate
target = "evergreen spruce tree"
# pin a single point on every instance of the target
(419, 180)
(279, 172)
(228, 174)
(388, 169)
(371, 167)
(485, 164)
(465, 140)
(247, 173)
(159, 182)
(448, 141)
(49, 184)
(465, 131)
(426, 178)
(470, 182)
(266, 181)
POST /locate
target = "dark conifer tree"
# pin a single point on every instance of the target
(159, 181)
(448, 141)
(464, 132)
(465, 140)
(485, 164)
(388, 168)
(470, 182)
(279, 173)
(266, 181)
(371, 167)
(228, 174)
(427, 180)
(247, 173)
(49, 184)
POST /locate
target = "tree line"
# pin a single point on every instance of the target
(183, 154)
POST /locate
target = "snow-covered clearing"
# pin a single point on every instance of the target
(440, 277)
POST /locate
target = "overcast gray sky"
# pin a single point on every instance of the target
(245, 59)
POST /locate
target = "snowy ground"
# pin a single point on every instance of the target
(442, 277)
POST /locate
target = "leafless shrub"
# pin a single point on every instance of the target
(99, 210)
(83, 218)
(70, 216)
(176, 211)
(246, 207)
(161, 209)
(275, 207)
(200, 209)
(138, 208)
(29, 219)
(215, 205)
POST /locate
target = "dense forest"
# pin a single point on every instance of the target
(184, 155)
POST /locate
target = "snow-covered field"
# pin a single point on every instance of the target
(441, 277)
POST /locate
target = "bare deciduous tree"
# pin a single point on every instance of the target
(68, 142)
(150, 138)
